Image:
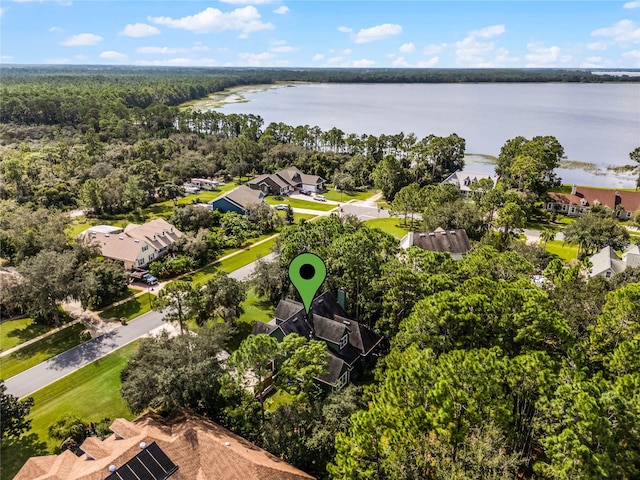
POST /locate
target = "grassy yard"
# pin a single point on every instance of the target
(130, 309)
(39, 351)
(297, 203)
(277, 399)
(563, 250)
(233, 263)
(336, 196)
(15, 332)
(392, 226)
(255, 309)
(92, 393)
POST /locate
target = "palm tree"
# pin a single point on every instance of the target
(547, 235)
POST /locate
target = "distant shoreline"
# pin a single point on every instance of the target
(234, 95)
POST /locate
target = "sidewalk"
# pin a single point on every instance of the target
(40, 337)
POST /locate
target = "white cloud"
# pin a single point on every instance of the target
(256, 59)
(407, 47)
(81, 58)
(592, 62)
(113, 55)
(541, 56)
(81, 40)
(400, 62)
(432, 62)
(624, 32)
(318, 57)
(6, 58)
(434, 48)
(246, 20)
(246, 2)
(179, 62)
(159, 50)
(601, 46)
(57, 61)
(281, 10)
(138, 30)
(284, 49)
(488, 32)
(632, 56)
(55, 29)
(345, 29)
(379, 32)
(472, 53)
(334, 61)
(363, 63)
(631, 5)
(3, 10)
(346, 51)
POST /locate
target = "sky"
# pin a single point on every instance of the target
(300, 33)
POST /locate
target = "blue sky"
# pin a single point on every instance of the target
(299, 33)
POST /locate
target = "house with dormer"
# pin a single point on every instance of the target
(463, 180)
(350, 345)
(621, 203)
(287, 181)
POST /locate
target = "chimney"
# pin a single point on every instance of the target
(342, 298)
(574, 189)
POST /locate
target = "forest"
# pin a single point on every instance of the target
(483, 374)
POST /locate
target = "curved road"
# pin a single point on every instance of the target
(55, 368)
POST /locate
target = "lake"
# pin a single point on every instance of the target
(598, 124)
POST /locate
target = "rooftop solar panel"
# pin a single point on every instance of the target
(150, 464)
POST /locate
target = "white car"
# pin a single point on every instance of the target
(281, 206)
(320, 198)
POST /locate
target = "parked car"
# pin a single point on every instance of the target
(305, 192)
(149, 279)
(320, 198)
(282, 206)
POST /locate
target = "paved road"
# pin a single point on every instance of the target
(364, 212)
(55, 368)
(243, 273)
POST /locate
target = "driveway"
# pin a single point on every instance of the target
(243, 273)
(364, 211)
(55, 368)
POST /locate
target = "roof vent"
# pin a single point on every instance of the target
(143, 445)
(346, 323)
(137, 241)
(432, 234)
(112, 468)
(227, 444)
(444, 233)
(106, 234)
(120, 238)
(452, 232)
(423, 234)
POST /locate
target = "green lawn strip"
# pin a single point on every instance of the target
(39, 351)
(233, 263)
(297, 203)
(130, 309)
(563, 250)
(255, 309)
(336, 196)
(307, 216)
(392, 226)
(15, 332)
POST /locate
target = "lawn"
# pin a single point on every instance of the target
(277, 399)
(130, 309)
(39, 351)
(392, 226)
(202, 197)
(297, 203)
(92, 393)
(15, 332)
(336, 196)
(233, 263)
(255, 309)
(563, 250)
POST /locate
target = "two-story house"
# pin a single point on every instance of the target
(350, 345)
(287, 181)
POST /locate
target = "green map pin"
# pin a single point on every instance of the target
(307, 272)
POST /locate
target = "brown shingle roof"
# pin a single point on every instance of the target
(244, 196)
(201, 449)
(157, 232)
(453, 241)
(609, 198)
(117, 246)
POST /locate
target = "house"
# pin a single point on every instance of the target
(287, 181)
(621, 203)
(184, 447)
(455, 242)
(350, 345)
(237, 200)
(463, 180)
(606, 263)
(137, 245)
(204, 183)
(110, 229)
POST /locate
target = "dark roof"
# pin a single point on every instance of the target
(261, 327)
(242, 196)
(327, 320)
(336, 366)
(593, 196)
(452, 241)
